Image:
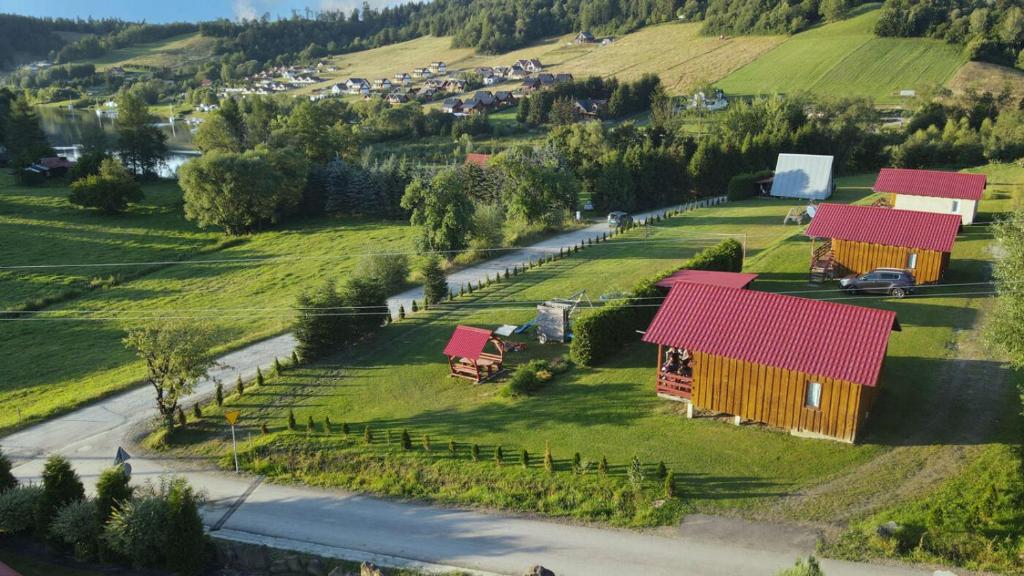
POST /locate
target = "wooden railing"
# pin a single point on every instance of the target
(674, 384)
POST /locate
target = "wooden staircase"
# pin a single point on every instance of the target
(882, 202)
(822, 263)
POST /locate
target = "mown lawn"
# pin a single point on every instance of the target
(398, 381)
(66, 360)
(846, 59)
(170, 53)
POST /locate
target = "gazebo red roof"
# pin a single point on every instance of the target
(467, 342)
(934, 183)
(52, 162)
(713, 277)
(813, 336)
(885, 226)
(480, 160)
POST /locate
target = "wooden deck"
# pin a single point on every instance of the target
(674, 385)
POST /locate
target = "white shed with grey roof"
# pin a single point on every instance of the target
(804, 176)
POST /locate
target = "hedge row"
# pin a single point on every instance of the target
(597, 335)
(742, 186)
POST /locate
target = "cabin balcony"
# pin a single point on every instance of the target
(674, 385)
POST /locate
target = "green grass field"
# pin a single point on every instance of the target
(62, 363)
(398, 380)
(846, 59)
(169, 53)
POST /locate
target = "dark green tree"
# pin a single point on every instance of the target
(141, 145)
(61, 486)
(113, 488)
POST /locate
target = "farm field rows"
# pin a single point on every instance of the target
(846, 59)
(61, 364)
(398, 380)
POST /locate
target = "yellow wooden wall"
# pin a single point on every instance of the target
(860, 257)
(776, 396)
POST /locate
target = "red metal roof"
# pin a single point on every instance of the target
(813, 336)
(727, 279)
(478, 159)
(467, 342)
(885, 226)
(934, 183)
(51, 162)
(6, 570)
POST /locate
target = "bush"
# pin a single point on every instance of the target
(78, 526)
(138, 530)
(390, 271)
(186, 540)
(109, 191)
(219, 394)
(742, 186)
(7, 479)
(18, 508)
(61, 486)
(526, 379)
(804, 567)
(291, 420)
(406, 440)
(113, 489)
(601, 333)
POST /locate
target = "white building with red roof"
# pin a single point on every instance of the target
(933, 191)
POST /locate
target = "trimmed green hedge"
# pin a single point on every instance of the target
(742, 186)
(598, 334)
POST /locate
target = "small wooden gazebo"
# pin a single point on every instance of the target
(466, 355)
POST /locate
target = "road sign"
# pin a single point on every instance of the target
(232, 417)
(121, 456)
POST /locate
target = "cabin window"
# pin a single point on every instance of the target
(956, 206)
(912, 260)
(813, 396)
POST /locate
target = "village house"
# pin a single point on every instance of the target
(563, 77)
(396, 98)
(426, 93)
(504, 98)
(933, 191)
(849, 239)
(490, 79)
(585, 108)
(529, 85)
(454, 85)
(382, 84)
(439, 67)
(532, 65)
(483, 70)
(517, 72)
(452, 106)
(421, 73)
(584, 37)
(403, 78)
(357, 86)
(769, 358)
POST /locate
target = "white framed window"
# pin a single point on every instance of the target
(912, 260)
(956, 206)
(812, 397)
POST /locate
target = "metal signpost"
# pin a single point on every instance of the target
(232, 416)
(121, 458)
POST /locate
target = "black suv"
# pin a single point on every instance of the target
(892, 281)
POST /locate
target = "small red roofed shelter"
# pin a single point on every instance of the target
(480, 160)
(809, 366)
(713, 277)
(466, 353)
(933, 191)
(859, 239)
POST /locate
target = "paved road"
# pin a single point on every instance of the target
(361, 527)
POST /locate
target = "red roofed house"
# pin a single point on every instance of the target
(466, 356)
(933, 191)
(771, 358)
(859, 239)
(713, 277)
(480, 160)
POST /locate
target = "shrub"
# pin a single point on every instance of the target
(7, 479)
(635, 473)
(662, 469)
(310, 424)
(138, 530)
(549, 460)
(219, 394)
(474, 452)
(295, 358)
(452, 447)
(328, 427)
(112, 490)
(182, 421)
(499, 456)
(670, 484)
(803, 567)
(527, 378)
(414, 307)
(744, 185)
(240, 386)
(77, 525)
(406, 440)
(277, 366)
(367, 435)
(197, 412)
(577, 462)
(426, 442)
(602, 466)
(291, 420)
(18, 508)
(264, 429)
(61, 486)
(389, 271)
(186, 540)
(524, 458)
(435, 283)
(109, 191)
(259, 378)
(344, 428)
(401, 312)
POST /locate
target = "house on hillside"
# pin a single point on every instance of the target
(518, 72)
(357, 86)
(439, 67)
(490, 79)
(421, 73)
(711, 102)
(563, 77)
(382, 84)
(849, 239)
(529, 85)
(504, 98)
(47, 167)
(584, 37)
(933, 191)
(532, 65)
(770, 358)
(803, 176)
(452, 105)
(454, 85)
(478, 103)
(585, 108)
(396, 98)
(403, 78)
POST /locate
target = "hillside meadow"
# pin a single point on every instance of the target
(846, 59)
(170, 53)
(243, 285)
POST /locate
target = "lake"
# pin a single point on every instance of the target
(64, 129)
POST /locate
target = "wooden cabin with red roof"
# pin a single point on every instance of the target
(849, 239)
(808, 366)
(933, 191)
(467, 357)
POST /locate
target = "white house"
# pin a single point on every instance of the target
(933, 191)
(357, 86)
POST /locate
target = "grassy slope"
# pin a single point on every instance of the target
(398, 380)
(171, 53)
(63, 363)
(846, 59)
(983, 76)
(675, 51)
